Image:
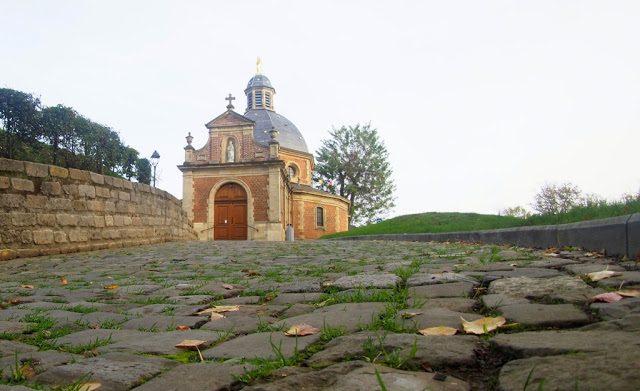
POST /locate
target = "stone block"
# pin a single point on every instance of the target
(43, 236)
(10, 235)
(8, 254)
(102, 192)
(98, 221)
(86, 221)
(117, 183)
(123, 195)
(136, 221)
(127, 220)
(78, 236)
(108, 220)
(36, 202)
(121, 207)
(36, 169)
(11, 165)
(633, 237)
(5, 219)
(27, 237)
(79, 175)
(22, 184)
(70, 189)
(609, 234)
(108, 180)
(58, 172)
(109, 207)
(4, 182)
(67, 219)
(96, 206)
(79, 205)
(87, 191)
(60, 204)
(51, 188)
(20, 219)
(118, 221)
(60, 237)
(47, 220)
(97, 178)
(127, 185)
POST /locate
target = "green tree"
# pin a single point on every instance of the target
(354, 164)
(143, 171)
(129, 162)
(58, 129)
(19, 114)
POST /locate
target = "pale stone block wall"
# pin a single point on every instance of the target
(47, 210)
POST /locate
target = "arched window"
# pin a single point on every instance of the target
(292, 172)
(319, 217)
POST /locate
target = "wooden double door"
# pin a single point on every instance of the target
(230, 213)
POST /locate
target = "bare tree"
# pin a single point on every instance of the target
(555, 199)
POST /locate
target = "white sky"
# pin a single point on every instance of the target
(479, 102)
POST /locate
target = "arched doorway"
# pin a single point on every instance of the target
(230, 213)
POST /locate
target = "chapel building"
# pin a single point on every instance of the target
(252, 178)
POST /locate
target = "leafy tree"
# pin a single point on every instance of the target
(143, 171)
(354, 164)
(58, 129)
(129, 161)
(554, 199)
(19, 114)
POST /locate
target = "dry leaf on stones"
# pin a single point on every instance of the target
(609, 297)
(629, 292)
(301, 329)
(110, 286)
(64, 281)
(482, 325)
(219, 309)
(597, 276)
(183, 328)
(89, 386)
(409, 315)
(190, 344)
(216, 316)
(440, 330)
(28, 286)
(227, 286)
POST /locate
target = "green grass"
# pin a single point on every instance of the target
(434, 222)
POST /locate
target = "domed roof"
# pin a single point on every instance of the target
(259, 80)
(288, 134)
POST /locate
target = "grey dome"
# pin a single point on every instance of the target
(289, 136)
(259, 81)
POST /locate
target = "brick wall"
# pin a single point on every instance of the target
(47, 209)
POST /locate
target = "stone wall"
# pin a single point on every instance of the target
(618, 236)
(47, 210)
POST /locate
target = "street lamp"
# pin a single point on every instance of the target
(154, 162)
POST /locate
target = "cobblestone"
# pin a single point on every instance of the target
(114, 317)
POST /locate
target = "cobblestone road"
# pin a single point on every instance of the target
(112, 319)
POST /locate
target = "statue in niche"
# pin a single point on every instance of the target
(231, 152)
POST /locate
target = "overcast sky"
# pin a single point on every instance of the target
(480, 103)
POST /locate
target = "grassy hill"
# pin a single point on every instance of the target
(434, 222)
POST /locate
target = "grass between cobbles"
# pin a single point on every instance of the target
(433, 222)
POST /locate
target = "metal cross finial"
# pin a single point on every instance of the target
(230, 98)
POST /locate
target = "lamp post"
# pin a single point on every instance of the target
(154, 162)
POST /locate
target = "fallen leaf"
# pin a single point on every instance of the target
(89, 386)
(64, 281)
(15, 301)
(269, 297)
(219, 309)
(28, 286)
(629, 292)
(482, 325)
(301, 329)
(597, 276)
(216, 316)
(111, 287)
(440, 330)
(26, 371)
(253, 274)
(190, 343)
(426, 366)
(227, 286)
(183, 328)
(409, 315)
(95, 326)
(609, 297)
